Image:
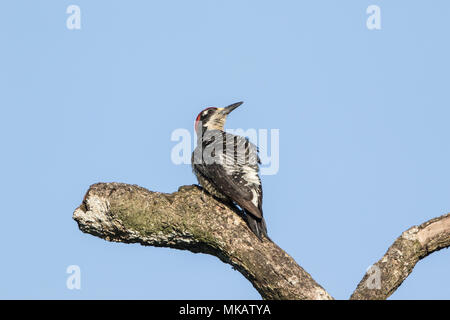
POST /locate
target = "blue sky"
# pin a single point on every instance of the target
(363, 118)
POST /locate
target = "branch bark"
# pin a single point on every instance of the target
(192, 220)
(397, 264)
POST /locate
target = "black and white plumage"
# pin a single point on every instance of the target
(227, 166)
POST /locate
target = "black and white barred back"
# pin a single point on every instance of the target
(227, 166)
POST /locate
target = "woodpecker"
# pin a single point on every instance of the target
(227, 166)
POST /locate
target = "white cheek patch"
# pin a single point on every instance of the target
(216, 122)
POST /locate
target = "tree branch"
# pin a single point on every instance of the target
(192, 220)
(395, 266)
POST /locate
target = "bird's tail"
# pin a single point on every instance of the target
(258, 226)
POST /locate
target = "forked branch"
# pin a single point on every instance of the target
(193, 220)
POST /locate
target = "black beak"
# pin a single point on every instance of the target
(231, 107)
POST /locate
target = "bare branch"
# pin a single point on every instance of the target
(413, 245)
(192, 220)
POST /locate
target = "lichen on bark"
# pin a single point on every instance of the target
(191, 219)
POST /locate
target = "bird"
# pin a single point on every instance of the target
(227, 166)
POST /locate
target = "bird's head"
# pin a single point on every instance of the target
(213, 118)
